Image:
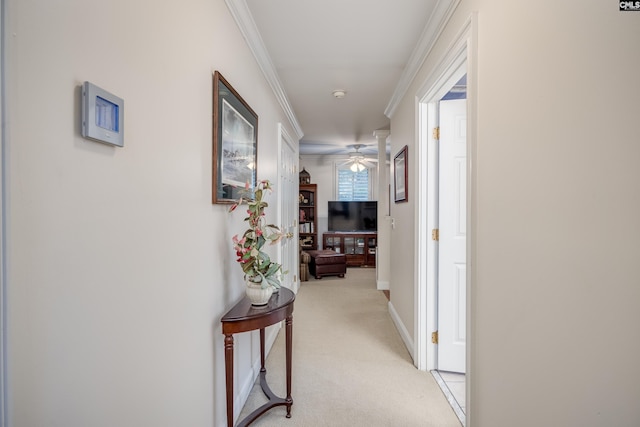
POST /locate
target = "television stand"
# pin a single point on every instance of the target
(359, 246)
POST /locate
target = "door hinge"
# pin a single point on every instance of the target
(436, 133)
(434, 337)
(435, 234)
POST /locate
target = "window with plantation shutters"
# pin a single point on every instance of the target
(353, 185)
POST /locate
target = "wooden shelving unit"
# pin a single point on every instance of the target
(308, 211)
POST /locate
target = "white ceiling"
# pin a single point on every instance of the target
(317, 46)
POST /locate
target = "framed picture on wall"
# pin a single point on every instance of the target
(235, 143)
(400, 190)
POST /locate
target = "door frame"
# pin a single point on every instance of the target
(460, 57)
(4, 417)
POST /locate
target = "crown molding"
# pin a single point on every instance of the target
(439, 18)
(242, 15)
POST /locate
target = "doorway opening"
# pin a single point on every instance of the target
(450, 172)
(444, 214)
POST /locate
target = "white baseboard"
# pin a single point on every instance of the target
(404, 333)
(382, 285)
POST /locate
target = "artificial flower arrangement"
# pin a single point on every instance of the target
(256, 264)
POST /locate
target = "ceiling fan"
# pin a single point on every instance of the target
(358, 161)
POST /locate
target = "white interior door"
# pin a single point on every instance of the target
(288, 190)
(452, 265)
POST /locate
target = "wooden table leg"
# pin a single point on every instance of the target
(289, 345)
(262, 369)
(228, 362)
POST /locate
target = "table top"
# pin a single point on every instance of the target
(246, 317)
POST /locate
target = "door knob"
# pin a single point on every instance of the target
(289, 235)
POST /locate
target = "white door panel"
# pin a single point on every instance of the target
(288, 189)
(452, 243)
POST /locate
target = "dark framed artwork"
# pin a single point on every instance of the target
(235, 143)
(400, 190)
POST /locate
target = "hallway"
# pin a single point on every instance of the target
(350, 366)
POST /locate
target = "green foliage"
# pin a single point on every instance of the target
(256, 264)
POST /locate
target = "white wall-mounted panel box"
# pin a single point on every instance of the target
(102, 115)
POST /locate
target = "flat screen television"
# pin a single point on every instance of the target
(353, 216)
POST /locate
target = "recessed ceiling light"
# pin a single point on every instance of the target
(339, 93)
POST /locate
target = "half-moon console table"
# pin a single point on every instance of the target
(244, 317)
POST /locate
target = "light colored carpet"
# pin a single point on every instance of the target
(350, 366)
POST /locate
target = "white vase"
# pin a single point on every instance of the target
(257, 294)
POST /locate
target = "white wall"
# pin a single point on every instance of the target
(119, 267)
(555, 295)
